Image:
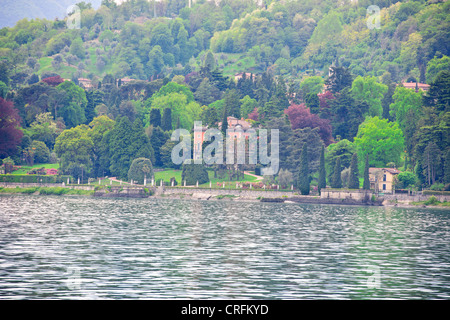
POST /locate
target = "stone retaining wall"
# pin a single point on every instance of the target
(244, 193)
(46, 185)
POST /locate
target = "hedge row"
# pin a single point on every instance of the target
(32, 178)
(437, 193)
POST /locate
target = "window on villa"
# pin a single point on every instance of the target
(384, 187)
(384, 178)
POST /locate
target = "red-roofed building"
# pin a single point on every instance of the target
(240, 75)
(85, 83)
(416, 86)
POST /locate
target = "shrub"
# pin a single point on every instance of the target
(432, 201)
(193, 173)
(431, 192)
(39, 171)
(437, 187)
(53, 190)
(29, 178)
(406, 179)
(139, 169)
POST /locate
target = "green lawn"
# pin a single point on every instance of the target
(167, 174)
(25, 169)
(64, 71)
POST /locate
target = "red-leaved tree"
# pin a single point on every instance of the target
(10, 134)
(254, 115)
(300, 118)
(53, 81)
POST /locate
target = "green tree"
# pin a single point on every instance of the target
(344, 150)
(336, 181)
(74, 104)
(322, 171)
(369, 90)
(166, 154)
(8, 164)
(209, 116)
(232, 103)
(296, 140)
(207, 92)
(311, 85)
(407, 110)
(436, 65)
(353, 182)
(157, 140)
(210, 61)
(155, 117)
(74, 147)
(41, 152)
(141, 170)
(340, 78)
(3, 89)
(224, 125)
(194, 172)
(247, 106)
(4, 72)
(285, 178)
(140, 143)
(366, 183)
(447, 167)
(303, 182)
(155, 60)
(406, 179)
(166, 122)
(100, 127)
(313, 103)
(347, 114)
(431, 162)
(94, 98)
(382, 140)
(121, 139)
(77, 49)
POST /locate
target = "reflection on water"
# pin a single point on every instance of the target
(84, 248)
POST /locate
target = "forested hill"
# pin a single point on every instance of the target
(96, 98)
(15, 10)
(144, 40)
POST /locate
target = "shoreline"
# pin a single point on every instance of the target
(192, 197)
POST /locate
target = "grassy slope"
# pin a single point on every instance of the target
(167, 174)
(25, 169)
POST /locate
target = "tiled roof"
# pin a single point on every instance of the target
(390, 170)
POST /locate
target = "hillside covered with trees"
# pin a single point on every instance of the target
(97, 98)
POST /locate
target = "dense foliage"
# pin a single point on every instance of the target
(114, 90)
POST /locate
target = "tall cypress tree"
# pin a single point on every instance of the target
(336, 181)
(304, 172)
(140, 146)
(166, 122)
(366, 185)
(157, 140)
(155, 117)
(224, 122)
(119, 142)
(353, 181)
(322, 171)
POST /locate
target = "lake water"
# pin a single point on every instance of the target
(86, 248)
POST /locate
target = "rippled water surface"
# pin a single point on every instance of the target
(85, 248)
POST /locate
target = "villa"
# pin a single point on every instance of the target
(382, 179)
